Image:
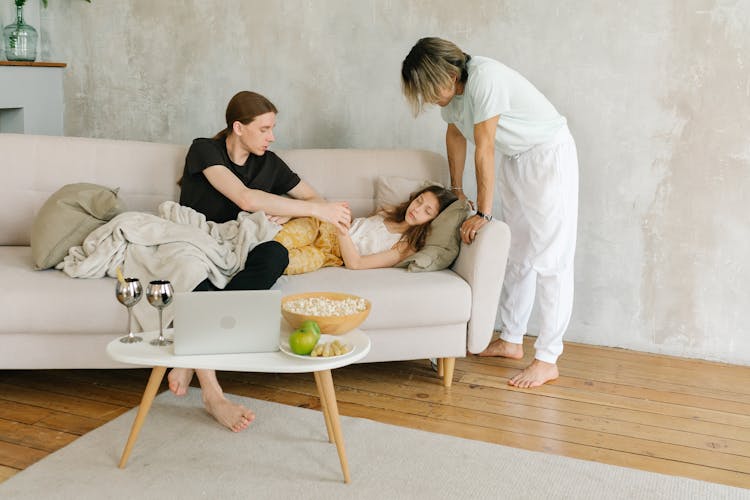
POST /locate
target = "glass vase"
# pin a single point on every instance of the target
(20, 39)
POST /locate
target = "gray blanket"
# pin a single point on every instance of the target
(178, 245)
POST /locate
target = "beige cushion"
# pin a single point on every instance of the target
(398, 299)
(392, 190)
(67, 217)
(443, 241)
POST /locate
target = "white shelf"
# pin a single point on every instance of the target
(31, 98)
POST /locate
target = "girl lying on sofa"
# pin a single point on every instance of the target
(382, 240)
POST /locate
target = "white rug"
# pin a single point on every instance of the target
(285, 454)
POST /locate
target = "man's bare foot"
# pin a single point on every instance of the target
(231, 415)
(179, 380)
(534, 375)
(505, 349)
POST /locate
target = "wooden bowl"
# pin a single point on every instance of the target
(332, 325)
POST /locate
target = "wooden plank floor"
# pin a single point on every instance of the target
(663, 414)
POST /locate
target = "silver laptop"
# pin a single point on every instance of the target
(227, 322)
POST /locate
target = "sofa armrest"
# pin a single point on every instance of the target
(482, 265)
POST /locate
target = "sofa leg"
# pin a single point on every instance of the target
(448, 365)
(440, 367)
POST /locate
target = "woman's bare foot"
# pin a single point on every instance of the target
(505, 349)
(179, 380)
(231, 415)
(534, 375)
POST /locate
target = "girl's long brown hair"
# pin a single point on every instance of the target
(415, 236)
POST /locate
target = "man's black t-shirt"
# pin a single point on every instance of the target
(268, 173)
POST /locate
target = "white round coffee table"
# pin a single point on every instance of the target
(161, 358)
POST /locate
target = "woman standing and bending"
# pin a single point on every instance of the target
(498, 110)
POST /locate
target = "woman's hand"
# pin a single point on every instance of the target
(461, 196)
(471, 227)
(335, 212)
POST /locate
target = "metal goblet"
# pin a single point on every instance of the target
(129, 292)
(159, 294)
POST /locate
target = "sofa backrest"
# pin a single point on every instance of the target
(350, 174)
(34, 167)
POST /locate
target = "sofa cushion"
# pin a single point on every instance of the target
(399, 299)
(443, 241)
(67, 217)
(51, 302)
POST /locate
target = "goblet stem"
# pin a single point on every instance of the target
(161, 340)
(161, 327)
(130, 321)
(131, 337)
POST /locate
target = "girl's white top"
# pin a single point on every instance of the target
(370, 235)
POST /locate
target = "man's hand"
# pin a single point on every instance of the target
(335, 212)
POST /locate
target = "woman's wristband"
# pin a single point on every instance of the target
(483, 215)
(456, 188)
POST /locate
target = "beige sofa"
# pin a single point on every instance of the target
(50, 320)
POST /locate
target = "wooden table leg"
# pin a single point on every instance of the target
(157, 374)
(324, 406)
(326, 381)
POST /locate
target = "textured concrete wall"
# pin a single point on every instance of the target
(657, 94)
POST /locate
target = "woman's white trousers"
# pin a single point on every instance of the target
(539, 198)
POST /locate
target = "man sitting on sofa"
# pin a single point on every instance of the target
(233, 172)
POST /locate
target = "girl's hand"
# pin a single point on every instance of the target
(335, 212)
(343, 230)
(278, 219)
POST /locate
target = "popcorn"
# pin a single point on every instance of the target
(321, 306)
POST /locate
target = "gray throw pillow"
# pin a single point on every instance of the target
(443, 241)
(67, 217)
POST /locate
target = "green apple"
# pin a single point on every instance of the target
(310, 325)
(303, 341)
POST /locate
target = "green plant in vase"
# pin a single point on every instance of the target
(20, 39)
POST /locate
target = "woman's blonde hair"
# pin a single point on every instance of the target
(432, 65)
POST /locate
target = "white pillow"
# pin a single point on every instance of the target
(393, 190)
